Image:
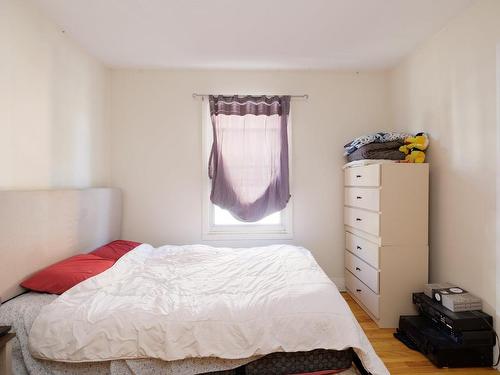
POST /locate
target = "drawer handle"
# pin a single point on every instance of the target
(358, 176)
(358, 269)
(358, 197)
(358, 290)
(359, 248)
(359, 219)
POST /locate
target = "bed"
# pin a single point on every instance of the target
(212, 309)
(22, 311)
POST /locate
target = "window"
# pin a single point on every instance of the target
(219, 224)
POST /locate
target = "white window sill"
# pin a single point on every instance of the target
(217, 235)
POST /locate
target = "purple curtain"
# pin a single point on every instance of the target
(249, 159)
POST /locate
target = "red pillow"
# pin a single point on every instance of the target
(116, 249)
(63, 275)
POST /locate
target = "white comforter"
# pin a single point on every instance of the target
(177, 302)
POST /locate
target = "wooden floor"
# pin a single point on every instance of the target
(397, 357)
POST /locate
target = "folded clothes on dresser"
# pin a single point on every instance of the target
(380, 137)
(388, 146)
(386, 150)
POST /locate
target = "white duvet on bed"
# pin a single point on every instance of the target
(177, 302)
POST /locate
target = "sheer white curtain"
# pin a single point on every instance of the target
(249, 158)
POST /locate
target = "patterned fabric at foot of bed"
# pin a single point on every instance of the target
(315, 361)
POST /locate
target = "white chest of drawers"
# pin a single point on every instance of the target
(386, 237)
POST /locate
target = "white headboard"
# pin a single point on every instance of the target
(38, 228)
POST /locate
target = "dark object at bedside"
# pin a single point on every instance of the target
(297, 362)
(454, 323)
(441, 350)
(6, 352)
(4, 330)
(410, 344)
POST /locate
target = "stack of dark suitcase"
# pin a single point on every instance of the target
(448, 339)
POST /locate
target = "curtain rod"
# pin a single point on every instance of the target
(305, 96)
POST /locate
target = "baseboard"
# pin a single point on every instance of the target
(340, 283)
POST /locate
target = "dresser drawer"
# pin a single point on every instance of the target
(360, 291)
(362, 270)
(368, 198)
(361, 219)
(368, 175)
(366, 250)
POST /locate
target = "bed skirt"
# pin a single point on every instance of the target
(295, 363)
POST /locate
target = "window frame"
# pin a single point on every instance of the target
(211, 231)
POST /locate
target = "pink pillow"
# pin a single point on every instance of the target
(116, 249)
(63, 275)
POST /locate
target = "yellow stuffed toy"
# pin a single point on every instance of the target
(414, 148)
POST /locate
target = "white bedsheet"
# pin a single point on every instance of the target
(177, 302)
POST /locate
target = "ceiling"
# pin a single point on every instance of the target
(256, 34)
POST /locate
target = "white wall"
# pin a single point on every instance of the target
(157, 150)
(54, 111)
(53, 105)
(447, 87)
